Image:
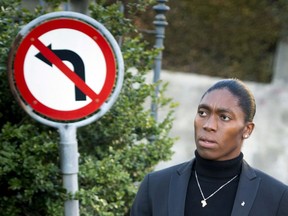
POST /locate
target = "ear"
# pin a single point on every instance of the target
(249, 127)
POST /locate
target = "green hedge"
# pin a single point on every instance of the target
(116, 151)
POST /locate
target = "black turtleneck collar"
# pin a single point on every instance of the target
(218, 169)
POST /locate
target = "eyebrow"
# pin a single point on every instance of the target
(219, 110)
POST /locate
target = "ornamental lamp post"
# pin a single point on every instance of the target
(160, 23)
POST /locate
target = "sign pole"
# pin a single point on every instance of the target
(69, 167)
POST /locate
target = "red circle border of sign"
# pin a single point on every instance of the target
(87, 29)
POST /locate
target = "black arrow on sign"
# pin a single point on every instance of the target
(77, 62)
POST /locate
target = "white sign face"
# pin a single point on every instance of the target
(64, 68)
(49, 85)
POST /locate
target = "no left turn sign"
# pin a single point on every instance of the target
(64, 66)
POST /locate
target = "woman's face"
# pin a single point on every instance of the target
(219, 126)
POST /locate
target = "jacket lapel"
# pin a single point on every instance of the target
(178, 189)
(246, 192)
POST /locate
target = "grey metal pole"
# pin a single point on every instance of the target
(160, 23)
(69, 167)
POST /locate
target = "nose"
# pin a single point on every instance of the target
(210, 124)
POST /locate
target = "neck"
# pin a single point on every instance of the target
(218, 169)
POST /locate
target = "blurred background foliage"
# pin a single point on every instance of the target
(225, 38)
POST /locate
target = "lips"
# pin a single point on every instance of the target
(207, 142)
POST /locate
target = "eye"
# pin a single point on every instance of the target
(202, 113)
(225, 117)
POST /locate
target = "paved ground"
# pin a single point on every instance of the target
(266, 149)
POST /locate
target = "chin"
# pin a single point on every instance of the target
(210, 154)
(207, 154)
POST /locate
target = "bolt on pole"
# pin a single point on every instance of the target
(160, 23)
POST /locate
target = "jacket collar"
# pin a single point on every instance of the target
(246, 192)
(178, 189)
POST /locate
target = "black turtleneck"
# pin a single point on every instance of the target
(211, 176)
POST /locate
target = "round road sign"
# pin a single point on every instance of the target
(65, 66)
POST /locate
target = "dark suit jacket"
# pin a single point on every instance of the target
(163, 193)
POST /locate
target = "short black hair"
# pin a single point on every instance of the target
(242, 92)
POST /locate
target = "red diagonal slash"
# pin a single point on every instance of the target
(54, 59)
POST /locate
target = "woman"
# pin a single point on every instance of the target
(217, 181)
